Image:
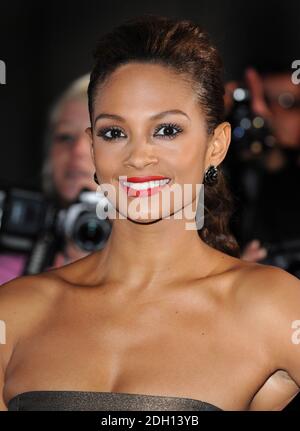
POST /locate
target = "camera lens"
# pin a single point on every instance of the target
(91, 233)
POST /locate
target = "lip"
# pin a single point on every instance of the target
(145, 179)
(147, 192)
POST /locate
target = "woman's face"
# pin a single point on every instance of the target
(71, 161)
(142, 140)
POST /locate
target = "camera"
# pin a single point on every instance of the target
(251, 135)
(251, 140)
(30, 223)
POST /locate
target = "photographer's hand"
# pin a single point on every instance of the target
(255, 84)
(253, 252)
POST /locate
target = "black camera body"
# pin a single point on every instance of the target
(31, 223)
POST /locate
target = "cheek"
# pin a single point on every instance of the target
(188, 164)
(108, 161)
(184, 162)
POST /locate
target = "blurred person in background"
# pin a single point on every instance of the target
(67, 167)
(266, 184)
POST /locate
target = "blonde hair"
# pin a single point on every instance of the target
(77, 90)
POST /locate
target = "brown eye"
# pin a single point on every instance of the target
(168, 130)
(113, 131)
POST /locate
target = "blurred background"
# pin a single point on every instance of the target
(47, 205)
(47, 45)
(47, 52)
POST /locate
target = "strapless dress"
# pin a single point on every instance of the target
(103, 401)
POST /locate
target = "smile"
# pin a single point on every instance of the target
(145, 188)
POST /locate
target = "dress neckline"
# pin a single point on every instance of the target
(48, 392)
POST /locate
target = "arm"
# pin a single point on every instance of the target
(6, 335)
(276, 394)
(2, 404)
(287, 324)
(280, 296)
(24, 302)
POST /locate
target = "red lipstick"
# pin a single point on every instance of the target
(143, 192)
(144, 179)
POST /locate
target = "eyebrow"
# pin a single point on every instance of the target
(153, 117)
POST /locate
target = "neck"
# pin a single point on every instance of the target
(154, 254)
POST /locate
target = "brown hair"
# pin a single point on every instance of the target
(185, 48)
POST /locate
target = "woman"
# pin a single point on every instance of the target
(164, 317)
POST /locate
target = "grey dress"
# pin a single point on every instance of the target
(101, 401)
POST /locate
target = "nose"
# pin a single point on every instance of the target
(140, 155)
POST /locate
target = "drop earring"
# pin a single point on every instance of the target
(211, 175)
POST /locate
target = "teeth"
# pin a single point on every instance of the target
(145, 185)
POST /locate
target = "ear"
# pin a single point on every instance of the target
(89, 132)
(218, 144)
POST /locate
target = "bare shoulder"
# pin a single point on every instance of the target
(24, 301)
(269, 285)
(265, 299)
(270, 289)
(268, 297)
(272, 296)
(81, 272)
(28, 291)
